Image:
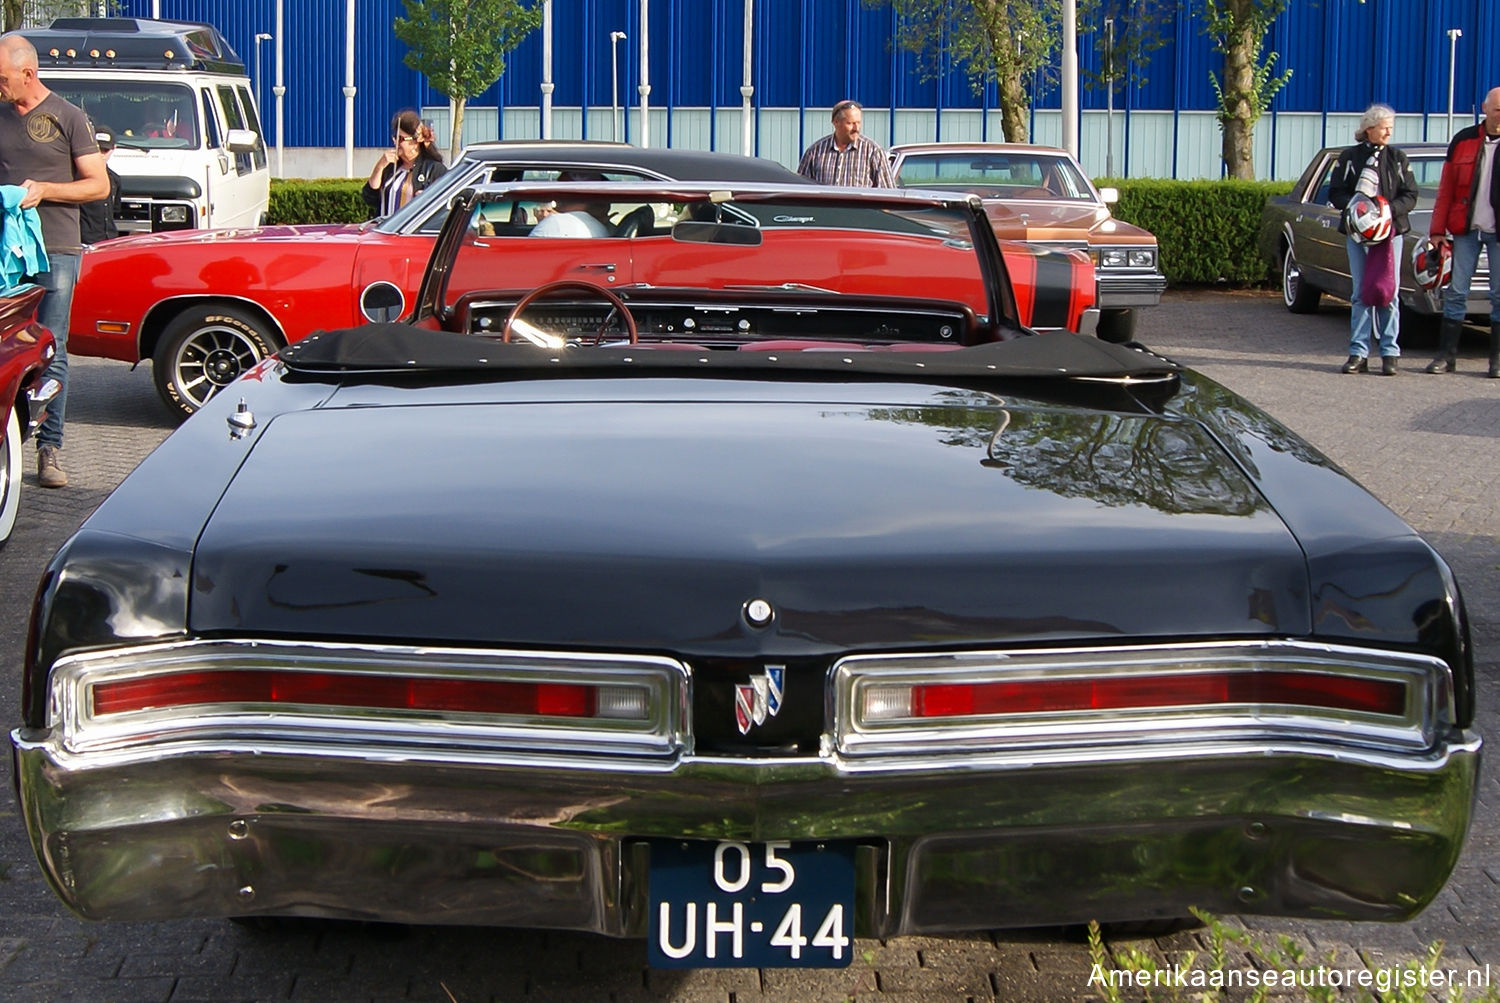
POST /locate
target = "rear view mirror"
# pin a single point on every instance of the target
(240, 141)
(692, 232)
(1109, 196)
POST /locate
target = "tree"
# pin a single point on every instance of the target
(460, 45)
(1004, 41)
(1245, 89)
(32, 13)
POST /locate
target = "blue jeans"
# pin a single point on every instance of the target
(1465, 260)
(1384, 322)
(53, 315)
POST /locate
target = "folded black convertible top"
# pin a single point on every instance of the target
(401, 348)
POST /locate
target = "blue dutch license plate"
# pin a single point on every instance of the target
(760, 905)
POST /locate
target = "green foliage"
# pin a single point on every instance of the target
(1206, 229)
(460, 45)
(1410, 981)
(324, 200)
(1238, 30)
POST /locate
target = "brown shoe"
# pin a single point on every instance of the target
(49, 473)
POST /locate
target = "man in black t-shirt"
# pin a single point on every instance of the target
(48, 148)
(96, 220)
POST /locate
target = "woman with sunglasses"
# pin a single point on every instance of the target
(409, 166)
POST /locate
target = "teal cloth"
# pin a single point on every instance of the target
(22, 251)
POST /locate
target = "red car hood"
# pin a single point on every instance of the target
(259, 234)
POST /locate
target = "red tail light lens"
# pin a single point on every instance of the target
(1046, 696)
(333, 689)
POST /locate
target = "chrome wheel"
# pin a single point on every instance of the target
(204, 350)
(1298, 296)
(10, 476)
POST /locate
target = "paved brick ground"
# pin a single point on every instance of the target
(1429, 446)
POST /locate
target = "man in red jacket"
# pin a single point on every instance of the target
(1466, 213)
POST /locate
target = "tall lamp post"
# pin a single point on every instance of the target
(615, 38)
(260, 97)
(1453, 36)
(1109, 101)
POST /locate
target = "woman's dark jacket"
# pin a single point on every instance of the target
(423, 173)
(1396, 182)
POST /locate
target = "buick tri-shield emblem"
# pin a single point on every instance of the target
(760, 698)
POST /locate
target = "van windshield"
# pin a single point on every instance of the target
(143, 114)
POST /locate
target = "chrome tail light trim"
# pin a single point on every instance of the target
(869, 721)
(639, 708)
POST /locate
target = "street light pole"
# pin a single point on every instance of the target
(260, 97)
(1453, 37)
(615, 38)
(1109, 101)
(280, 91)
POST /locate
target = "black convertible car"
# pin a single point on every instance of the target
(783, 592)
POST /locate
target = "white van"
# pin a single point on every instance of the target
(189, 145)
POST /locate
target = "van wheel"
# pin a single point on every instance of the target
(203, 350)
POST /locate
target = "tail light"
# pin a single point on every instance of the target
(1166, 693)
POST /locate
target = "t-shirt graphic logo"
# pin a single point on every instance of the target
(43, 128)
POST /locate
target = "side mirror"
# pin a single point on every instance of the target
(241, 141)
(1109, 195)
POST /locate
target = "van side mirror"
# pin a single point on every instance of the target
(241, 141)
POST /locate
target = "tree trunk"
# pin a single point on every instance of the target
(1239, 112)
(1015, 107)
(456, 116)
(15, 12)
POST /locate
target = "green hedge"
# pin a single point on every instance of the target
(1207, 229)
(322, 200)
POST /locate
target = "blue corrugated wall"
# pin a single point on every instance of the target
(810, 53)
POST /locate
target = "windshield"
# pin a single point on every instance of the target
(426, 212)
(524, 240)
(1038, 175)
(143, 114)
(711, 269)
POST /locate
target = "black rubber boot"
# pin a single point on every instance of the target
(1388, 365)
(1494, 350)
(1447, 357)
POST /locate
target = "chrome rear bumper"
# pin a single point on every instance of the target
(1004, 840)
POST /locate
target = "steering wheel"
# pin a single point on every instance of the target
(617, 305)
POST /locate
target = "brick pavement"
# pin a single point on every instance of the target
(1429, 446)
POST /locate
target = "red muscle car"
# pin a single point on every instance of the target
(26, 349)
(205, 306)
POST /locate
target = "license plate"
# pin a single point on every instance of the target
(760, 905)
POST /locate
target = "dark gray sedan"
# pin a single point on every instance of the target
(1299, 234)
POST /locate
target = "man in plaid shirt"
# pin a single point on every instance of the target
(847, 157)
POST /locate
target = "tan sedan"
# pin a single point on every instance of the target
(1040, 195)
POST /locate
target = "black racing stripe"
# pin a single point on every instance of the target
(1054, 290)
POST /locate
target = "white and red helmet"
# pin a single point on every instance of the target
(1432, 265)
(1368, 219)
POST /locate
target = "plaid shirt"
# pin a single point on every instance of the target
(861, 164)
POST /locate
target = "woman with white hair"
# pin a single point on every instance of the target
(1377, 179)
